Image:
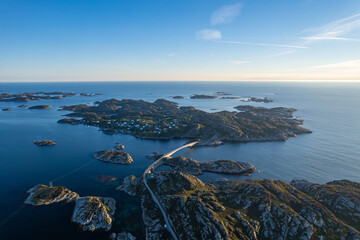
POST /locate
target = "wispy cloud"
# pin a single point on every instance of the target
(335, 30)
(226, 14)
(264, 44)
(238, 62)
(208, 34)
(355, 64)
(283, 53)
(171, 54)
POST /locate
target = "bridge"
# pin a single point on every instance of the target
(152, 167)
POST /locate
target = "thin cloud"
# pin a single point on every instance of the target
(335, 30)
(340, 65)
(238, 62)
(264, 44)
(171, 54)
(226, 14)
(208, 34)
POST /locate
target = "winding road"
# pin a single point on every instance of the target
(153, 166)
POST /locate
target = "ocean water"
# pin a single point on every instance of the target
(332, 151)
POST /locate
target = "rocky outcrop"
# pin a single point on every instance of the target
(192, 166)
(112, 156)
(44, 195)
(131, 185)
(94, 213)
(6, 109)
(178, 97)
(44, 143)
(40, 107)
(23, 106)
(118, 146)
(106, 178)
(89, 94)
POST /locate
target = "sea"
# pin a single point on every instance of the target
(330, 109)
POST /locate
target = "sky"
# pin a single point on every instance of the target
(187, 40)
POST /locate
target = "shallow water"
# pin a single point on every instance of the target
(330, 110)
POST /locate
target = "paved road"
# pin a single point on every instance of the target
(153, 166)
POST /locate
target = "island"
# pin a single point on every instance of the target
(111, 156)
(43, 195)
(6, 109)
(164, 119)
(192, 166)
(23, 106)
(91, 213)
(89, 94)
(177, 97)
(29, 96)
(40, 107)
(254, 99)
(44, 143)
(251, 209)
(202, 96)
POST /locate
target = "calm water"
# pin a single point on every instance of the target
(331, 110)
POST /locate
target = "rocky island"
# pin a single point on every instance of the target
(91, 213)
(44, 195)
(254, 99)
(40, 107)
(112, 156)
(44, 143)
(252, 209)
(163, 119)
(71, 121)
(202, 96)
(6, 109)
(192, 166)
(178, 97)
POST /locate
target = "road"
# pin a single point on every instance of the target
(153, 166)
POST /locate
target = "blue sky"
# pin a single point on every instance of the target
(90, 40)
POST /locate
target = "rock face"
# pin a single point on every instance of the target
(112, 156)
(44, 195)
(40, 107)
(192, 166)
(200, 96)
(44, 143)
(163, 119)
(93, 213)
(252, 209)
